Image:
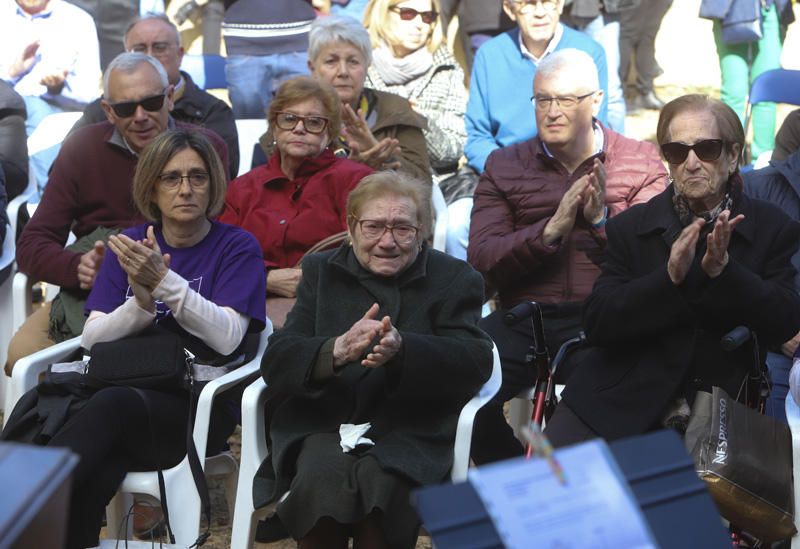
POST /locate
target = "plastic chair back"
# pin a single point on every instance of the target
(777, 86)
(250, 131)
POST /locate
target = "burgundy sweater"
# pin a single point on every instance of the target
(89, 187)
(517, 196)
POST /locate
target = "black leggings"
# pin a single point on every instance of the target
(112, 436)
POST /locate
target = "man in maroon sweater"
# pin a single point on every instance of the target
(537, 231)
(90, 188)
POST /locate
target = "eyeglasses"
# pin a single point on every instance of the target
(173, 180)
(526, 6)
(408, 14)
(564, 102)
(706, 150)
(312, 124)
(373, 230)
(155, 49)
(127, 109)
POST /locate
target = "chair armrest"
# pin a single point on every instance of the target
(25, 375)
(793, 418)
(254, 442)
(221, 384)
(7, 257)
(467, 417)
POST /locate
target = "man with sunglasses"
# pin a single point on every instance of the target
(538, 224)
(155, 35)
(89, 194)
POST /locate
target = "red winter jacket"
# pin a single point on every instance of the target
(289, 217)
(518, 194)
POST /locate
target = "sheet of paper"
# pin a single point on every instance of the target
(531, 508)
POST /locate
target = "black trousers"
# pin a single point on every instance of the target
(492, 437)
(638, 30)
(112, 436)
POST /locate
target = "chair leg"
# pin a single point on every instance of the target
(116, 510)
(231, 484)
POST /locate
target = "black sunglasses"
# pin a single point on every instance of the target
(706, 150)
(127, 109)
(408, 14)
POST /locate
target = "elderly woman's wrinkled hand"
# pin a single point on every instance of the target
(716, 257)
(383, 156)
(141, 261)
(682, 252)
(349, 346)
(387, 347)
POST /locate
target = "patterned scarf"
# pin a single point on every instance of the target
(686, 215)
(401, 70)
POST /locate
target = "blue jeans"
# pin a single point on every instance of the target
(354, 8)
(604, 29)
(38, 109)
(253, 80)
(779, 366)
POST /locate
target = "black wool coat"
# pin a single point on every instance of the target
(413, 401)
(652, 340)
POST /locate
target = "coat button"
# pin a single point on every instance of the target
(697, 382)
(282, 222)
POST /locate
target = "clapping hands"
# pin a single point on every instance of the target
(352, 344)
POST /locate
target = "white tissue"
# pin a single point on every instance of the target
(353, 435)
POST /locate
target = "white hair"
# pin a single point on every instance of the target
(578, 64)
(128, 62)
(338, 28)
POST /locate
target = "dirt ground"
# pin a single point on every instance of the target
(686, 52)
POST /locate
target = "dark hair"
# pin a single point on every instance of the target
(299, 89)
(159, 152)
(728, 123)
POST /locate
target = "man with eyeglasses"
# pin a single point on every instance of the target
(537, 231)
(155, 35)
(89, 194)
(499, 112)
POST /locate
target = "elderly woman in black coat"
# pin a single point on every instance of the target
(383, 336)
(681, 271)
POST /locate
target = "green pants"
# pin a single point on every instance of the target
(740, 64)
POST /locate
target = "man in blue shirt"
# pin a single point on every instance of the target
(499, 110)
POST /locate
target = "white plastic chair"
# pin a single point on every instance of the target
(180, 488)
(249, 130)
(13, 207)
(793, 417)
(254, 450)
(440, 210)
(6, 318)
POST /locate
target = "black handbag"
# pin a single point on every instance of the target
(745, 459)
(154, 359)
(462, 184)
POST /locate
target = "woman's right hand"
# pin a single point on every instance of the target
(350, 346)
(283, 282)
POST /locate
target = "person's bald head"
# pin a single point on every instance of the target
(155, 35)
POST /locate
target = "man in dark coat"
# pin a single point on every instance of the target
(779, 183)
(155, 35)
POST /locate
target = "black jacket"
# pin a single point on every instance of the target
(196, 107)
(13, 140)
(413, 402)
(653, 341)
(779, 183)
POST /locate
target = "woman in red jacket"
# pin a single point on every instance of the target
(298, 198)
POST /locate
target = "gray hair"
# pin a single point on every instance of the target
(128, 62)
(338, 28)
(577, 63)
(152, 16)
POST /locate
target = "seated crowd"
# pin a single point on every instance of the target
(654, 251)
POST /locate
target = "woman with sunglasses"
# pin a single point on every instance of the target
(383, 342)
(411, 59)
(298, 198)
(682, 271)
